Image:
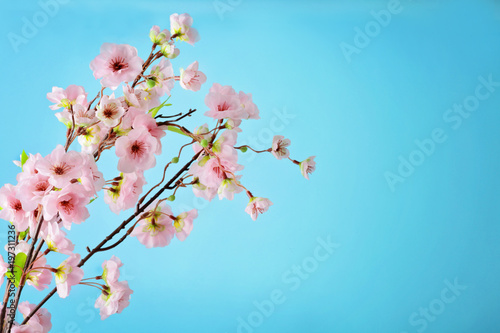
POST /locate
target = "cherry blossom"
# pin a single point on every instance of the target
(32, 190)
(111, 270)
(56, 239)
(126, 192)
(68, 275)
(307, 166)
(183, 224)
(163, 77)
(70, 203)
(156, 230)
(4, 267)
(109, 111)
(60, 166)
(158, 37)
(114, 299)
(224, 102)
(116, 64)
(66, 98)
(136, 150)
(39, 323)
(13, 210)
(180, 26)
(256, 206)
(192, 78)
(279, 148)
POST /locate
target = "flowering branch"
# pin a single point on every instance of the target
(53, 192)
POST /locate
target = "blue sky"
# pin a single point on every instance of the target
(417, 253)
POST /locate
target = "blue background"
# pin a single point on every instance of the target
(395, 248)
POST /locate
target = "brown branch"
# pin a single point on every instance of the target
(26, 265)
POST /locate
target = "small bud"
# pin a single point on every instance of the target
(151, 83)
(243, 149)
(158, 37)
(204, 143)
(171, 198)
(169, 50)
(175, 160)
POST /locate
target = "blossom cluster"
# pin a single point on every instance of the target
(53, 192)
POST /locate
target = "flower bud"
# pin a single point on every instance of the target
(175, 160)
(204, 143)
(151, 83)
(243, 149)
(158, 37)
(171, 198)
(169, 50)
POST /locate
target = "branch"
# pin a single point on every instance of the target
(99, 247)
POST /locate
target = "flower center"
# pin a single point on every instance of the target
(137, 148)
(16, 205)
(61, 169)
(117, 64)
(66, 206)
(110, 110)
(41, 186)
(223, 107)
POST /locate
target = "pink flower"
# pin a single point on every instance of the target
(224, 145)
(28, 167)
(169, 50)
(224, 103)
(148, 122)
(116, 64)
(65, 98)
(202, 191)
(110, 111)
(136, 150)
(39, 323)
(92, 179)
(125, 194)
(83, 117)
(183, 224)
(13, 210)
(248, 105)
(39, 277)
(279, 147)
(228, 188)
(114, 300)
(60, 167)
(156, 230)
(158, 37)
(70, 203)
(307, 166)
(111, 270)
(91, 138)
(192, 78)
(180, 26)
(256, 206)
(32, 190)
(163, 75)
(56, 239)
(134, 97)
(68, 274)
(4, 267)
(211, 171)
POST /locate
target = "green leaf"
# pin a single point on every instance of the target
(154, 111)
(24, 158)
(18, 269)
(92, 200)
(22, 234)
(176, 130)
